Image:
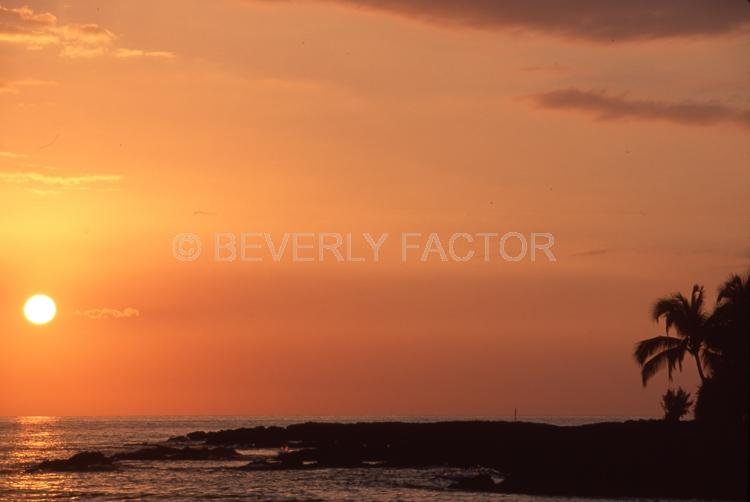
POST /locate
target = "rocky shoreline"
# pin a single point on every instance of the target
(630, 459)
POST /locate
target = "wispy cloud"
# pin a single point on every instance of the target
(15, 86)
(108, 313)
(37, 30)
(46, 184)
(605, 106)
(592, 20)
(137, 53)
(594, 252)
(12, 155)
(553, 68)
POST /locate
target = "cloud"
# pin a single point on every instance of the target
(15, 86)
(25, 15)
(40, 182)
(21, 25)
(553, 68)
(593, 20)
(604, 106)
(12, 155)
(135, 53)
(85, 40)
(593, 252)
(37, 30)
(107, 313)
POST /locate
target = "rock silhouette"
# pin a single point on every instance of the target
(478, 483)
(167, 453)
(645, 458)
(648, 458)
(92, 461)
(87, 461)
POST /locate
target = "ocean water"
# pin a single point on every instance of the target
(24, 441)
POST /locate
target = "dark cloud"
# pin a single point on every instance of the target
(596, 20)
(604, 106)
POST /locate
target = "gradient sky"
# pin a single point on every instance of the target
(621, 128)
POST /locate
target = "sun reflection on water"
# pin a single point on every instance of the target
(29, 440)
(33, 439)
(36, 419)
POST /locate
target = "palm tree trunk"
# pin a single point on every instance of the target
(700, 367)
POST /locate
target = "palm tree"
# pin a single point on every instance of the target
(689, 322)
(676, 404)
(729, 325)
(727, 355)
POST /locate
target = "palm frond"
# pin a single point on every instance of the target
(675, 311)
(670, 358)
(685, 315)
(676, 404)
(647, 348)
(732, 288)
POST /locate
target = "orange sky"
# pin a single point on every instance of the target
(626, 137)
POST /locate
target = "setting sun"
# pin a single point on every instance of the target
(40, 309)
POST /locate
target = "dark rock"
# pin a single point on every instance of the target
(87, 461)
(644, 458)
(256, 437)
(478, 483)
(649, 459)
(197, 436)
(278, 465)
(186, 453)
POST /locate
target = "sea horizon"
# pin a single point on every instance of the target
(353, 417)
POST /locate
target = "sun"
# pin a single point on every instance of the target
(39, 309)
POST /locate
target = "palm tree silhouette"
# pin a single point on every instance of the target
(729, 326)
(727, 354)
(689, 322)
(676, 404)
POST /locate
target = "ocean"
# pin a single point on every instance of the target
(24, 441)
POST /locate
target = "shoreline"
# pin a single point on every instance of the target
(644, 458)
